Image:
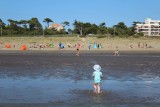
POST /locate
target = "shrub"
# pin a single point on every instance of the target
(138, 35)
(101, 36)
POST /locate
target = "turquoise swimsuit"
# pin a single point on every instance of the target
(97, 76)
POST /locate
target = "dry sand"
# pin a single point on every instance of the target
(108, 44)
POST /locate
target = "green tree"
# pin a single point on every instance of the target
(47, 20)
(35, 27)
(91, 29)
(120, 29)
(135, 23)
(13, 27)
(132, 29)
(103, 24)
(65, 23)
(69, 31)
(102, 28)
(121, 25)
(85, 28)
(78, 27)
(24, 23)
(34, 24)
(2, 24)
(12, 23)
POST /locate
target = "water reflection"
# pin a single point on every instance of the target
(25, 89)
(55, 79)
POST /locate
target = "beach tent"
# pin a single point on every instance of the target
(8, 46)
(23, 47)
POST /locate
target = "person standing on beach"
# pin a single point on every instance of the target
(116, 51)
(139, 44)
(97, 74)
(89, 46)
(78, 48)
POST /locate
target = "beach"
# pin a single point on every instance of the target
(49, 76)
(79, 53)
(107, 44)
(60, 78)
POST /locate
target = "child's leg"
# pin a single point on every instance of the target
(98, 88)
(117, 53)
(95, 87)
(77, 53)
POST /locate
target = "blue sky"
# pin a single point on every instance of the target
(94, 11)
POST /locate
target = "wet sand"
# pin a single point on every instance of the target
(60, 78)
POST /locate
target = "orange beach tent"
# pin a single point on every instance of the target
(23, 47)
(8, 46)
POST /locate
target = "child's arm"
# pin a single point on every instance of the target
(101, 74)
(93, 74)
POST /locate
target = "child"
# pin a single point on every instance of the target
(97, 78)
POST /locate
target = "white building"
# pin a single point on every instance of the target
(56, 26)
(149, 27)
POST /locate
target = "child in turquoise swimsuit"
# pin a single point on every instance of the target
(97, 74)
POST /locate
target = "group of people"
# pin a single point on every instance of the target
(95, 46)
(141, 45)
(78, 46)
(144, 45)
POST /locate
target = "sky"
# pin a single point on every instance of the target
(94, 11)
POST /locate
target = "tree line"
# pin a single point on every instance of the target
(33, 27)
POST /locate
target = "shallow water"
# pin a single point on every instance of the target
(30, 90)
(65, 80)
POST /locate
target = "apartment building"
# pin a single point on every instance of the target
(149, 27)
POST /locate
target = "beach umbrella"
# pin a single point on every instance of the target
(8, 46)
